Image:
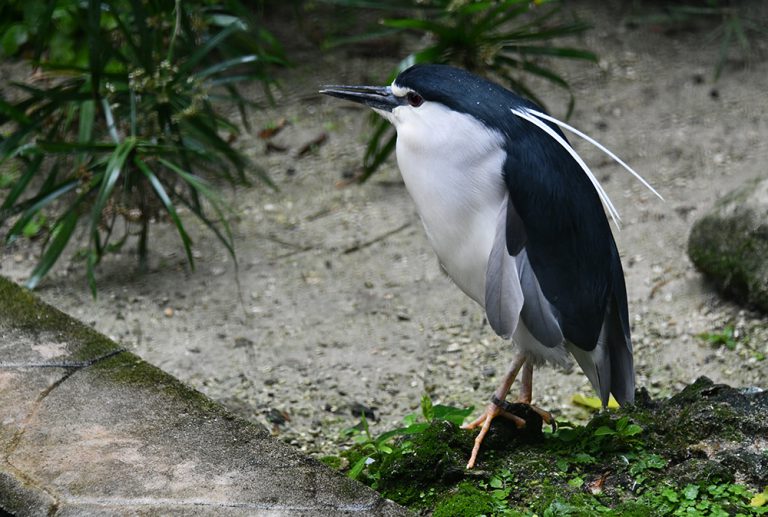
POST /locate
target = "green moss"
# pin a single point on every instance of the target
(411, 496)
(437, 456)
(633, 509)
(333, 462)
(21, 309)
(701, 410)
(575, 507)
(466, 501)
(700, 470)
(130, 370)
(730, 246)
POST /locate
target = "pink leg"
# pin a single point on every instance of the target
(526, 384)
(492, 410)
(526, 395)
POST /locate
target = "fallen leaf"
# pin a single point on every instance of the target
(593, 402)
(274, 148)
(596, 486)
(760, 499)
(312, 144)
(269, 132)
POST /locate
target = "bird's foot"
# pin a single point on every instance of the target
(484, 422)
(515, 407)
(507, 410)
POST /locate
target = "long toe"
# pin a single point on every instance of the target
(484, 422)
(545, 415)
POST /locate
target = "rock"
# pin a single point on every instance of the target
(357, 409)
(438, 457)
(730, 244)
(276, 416)
(651, 458)
(243, 342)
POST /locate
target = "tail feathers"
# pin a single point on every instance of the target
(619, 367)
(610, 367)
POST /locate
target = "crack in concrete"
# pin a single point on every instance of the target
(63, 364)
(72, 367)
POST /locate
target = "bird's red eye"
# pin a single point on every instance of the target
(414, 99)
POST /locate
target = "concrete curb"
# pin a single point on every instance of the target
(87, 428)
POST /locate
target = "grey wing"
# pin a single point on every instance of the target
(512, 291)
(503, 292)
(538, 314)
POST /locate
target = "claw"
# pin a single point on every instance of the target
(546, 416)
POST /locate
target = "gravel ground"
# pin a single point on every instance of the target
(341, 307)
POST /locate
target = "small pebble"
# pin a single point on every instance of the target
(357, 409)
(489, 371)
(453, 347)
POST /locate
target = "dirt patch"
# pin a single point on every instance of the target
(343, 304)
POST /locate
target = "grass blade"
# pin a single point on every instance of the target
(61, 233)
(224, 65)
(85, 134)
(198, 55)
(169, 207)
(112, 173)
(21, 184)
(421, 25)
(35, 205)
(200, 186)
(377, 151)
(110, 119)
(8, 110)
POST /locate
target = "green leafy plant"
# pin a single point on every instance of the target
(36, 28)
(131, 134)
(641, 465)
(623, 429)
(721, 499)
(726, 337)
(370, 449)
(505, 39)
(613, 435)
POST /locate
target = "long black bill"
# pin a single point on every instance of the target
(377, 97)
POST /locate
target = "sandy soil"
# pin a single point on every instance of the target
(343, 304)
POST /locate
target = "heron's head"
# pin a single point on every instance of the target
(428, 101)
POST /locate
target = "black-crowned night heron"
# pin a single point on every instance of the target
(515, 217)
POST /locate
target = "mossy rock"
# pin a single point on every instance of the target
(438, 456)
(706, 436)
(730, 244)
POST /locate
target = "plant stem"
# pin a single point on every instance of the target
(175, 30)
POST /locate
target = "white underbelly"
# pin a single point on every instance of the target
(458, 199)
(463, 250)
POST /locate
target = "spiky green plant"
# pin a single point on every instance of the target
(126, 129)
